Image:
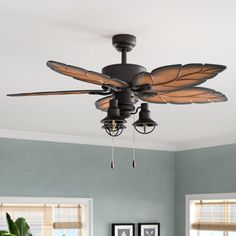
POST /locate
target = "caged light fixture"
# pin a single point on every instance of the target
(122, 85)
(144, 125)
(113, 123)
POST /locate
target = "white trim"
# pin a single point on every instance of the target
(204, 143)
(205, 196)
(49, 137)
(54, 200)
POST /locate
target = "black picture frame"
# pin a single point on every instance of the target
(128, 229)
(148, 226)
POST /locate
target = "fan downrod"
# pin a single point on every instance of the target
(124, 71)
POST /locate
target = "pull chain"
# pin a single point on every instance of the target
(112, 153)
(134, 151)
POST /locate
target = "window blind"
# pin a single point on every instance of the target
(68, 217)
(43, 219)
(217, 215)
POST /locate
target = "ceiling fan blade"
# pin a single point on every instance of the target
(175, 77)
(96, 92)
(85, 75)
(184, 96)
(103, 103)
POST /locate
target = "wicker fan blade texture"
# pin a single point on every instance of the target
(123, 84)
(84, 75)
(185, 96)
(100, 92)
(175, 77)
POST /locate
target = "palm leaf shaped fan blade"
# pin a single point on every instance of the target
(103, 103)
(84, 75)
(93, 92)
(184, 96)
(123, 84)
(175, 77)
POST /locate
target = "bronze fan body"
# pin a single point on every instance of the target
(126, 83)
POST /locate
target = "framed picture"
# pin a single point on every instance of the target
(149, 229)
(122, 229)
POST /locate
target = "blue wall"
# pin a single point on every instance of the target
(154, 191)
(144, 194)
(207, 170)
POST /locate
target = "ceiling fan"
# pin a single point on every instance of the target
(123, 84)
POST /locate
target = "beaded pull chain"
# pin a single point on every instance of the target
(112, 153)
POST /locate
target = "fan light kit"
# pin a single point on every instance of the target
(123, 84)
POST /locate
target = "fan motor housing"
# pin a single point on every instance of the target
(126, 101)
(124, 72)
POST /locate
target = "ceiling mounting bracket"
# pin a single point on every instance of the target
(124, 84)
(124, 43)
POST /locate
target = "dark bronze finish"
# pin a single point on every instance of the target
(124, 42)
(113, 123)
(175, 84)
(123, 72)
(123, 57)
(126, 101)
(144, 120)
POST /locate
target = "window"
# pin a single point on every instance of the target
(211, 215)
(50, 216)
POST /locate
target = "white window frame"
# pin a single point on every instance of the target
(205, 196)
(88, 202)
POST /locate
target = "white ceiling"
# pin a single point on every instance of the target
(78, 32)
